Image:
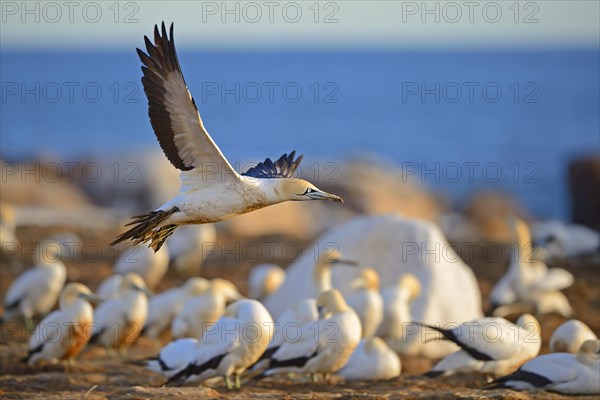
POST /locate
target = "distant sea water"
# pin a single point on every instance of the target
(458, 121)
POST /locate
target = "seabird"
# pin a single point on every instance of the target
(230, 346)
(200, 312)
(564, 373)
(118, 322)
(211, 190)
(63, 333)
(490, 346)
(164, 307)
(36, 290)
(397, 301)
(324, 346)
(569, 337)
(367, 301)
(372, 360)
(151, 266)
(265, 279)
(321, 275)
(530, 282)
(174, 357)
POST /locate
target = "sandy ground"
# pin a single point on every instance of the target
(97, 376)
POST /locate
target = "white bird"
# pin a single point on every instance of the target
(529, 281)
(564, 373)
(372, 360)
(174, 357)
(211, 190)
(397, 301)
(265, 279)
(230, 346)
(110, 288)
(561, 240)
(200, 312)
(118, 322)
(324, 346)
(490, 346)
(569, 337)
(367, 301)
(321, 274)
(150, 265)
(164, 307)
(62, 334)
(189, 246)
(36, 290)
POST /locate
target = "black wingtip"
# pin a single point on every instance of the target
(433, 374)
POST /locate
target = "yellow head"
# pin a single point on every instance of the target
(74, 291)
(410, 284)
(133, 282)
(331, 302)
(589, 352)
(367, 279)
(301, 190)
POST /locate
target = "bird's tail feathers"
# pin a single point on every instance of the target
(146, 228)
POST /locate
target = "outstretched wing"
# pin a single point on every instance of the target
(284, 167)
(173, 112)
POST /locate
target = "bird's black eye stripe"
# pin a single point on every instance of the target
(309, 190)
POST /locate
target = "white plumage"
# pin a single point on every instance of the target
(110, 288)
(118, 322)
(231, 345)
(324, 346)
(150, 265)
(490, 345)
(529, 281)
(37, 289)
(164, 307)
(559, 372)
(397, 301)
(372, 360)
(62, 334)
(367, 301)
(200, 312)
(569, 337)
(265, 279)
(174, 357)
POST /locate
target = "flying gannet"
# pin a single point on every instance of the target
(264, 279)
(230, 346)
(492, 346)
(211, 190)
(62, 334)
(570, 336)
(36, 290)
(397, 301)
(164, 307)
(200, 312)
(372, 360)
(367, 301)
(529, 282)
(118, 322)
(151, 266)
(323, 346)
(564, 373)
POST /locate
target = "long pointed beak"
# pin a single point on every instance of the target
(350, 263)
(145, 290)
(321, 195)
(92, 298)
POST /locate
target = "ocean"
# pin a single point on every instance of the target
(457, 121)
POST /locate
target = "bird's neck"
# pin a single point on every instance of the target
(322, 277)
(271, 188)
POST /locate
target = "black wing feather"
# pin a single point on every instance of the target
(284, 167)
(451, 336)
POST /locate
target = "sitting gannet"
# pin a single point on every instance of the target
(62, 334)
(564, 373)
(264, 279)
(529, 281)
(188, 247)
(490, 345)
(151, 266)
(324, 346)
(118, 322)
(367, 301)
(230, 346)
(200, 312)
(211, 190)
(372, 360)
(569, 337)
(164, 307)
(397, 300)
(36, 290)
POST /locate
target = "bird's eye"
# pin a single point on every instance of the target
(309, 190)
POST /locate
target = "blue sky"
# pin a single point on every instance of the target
(111, 25)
